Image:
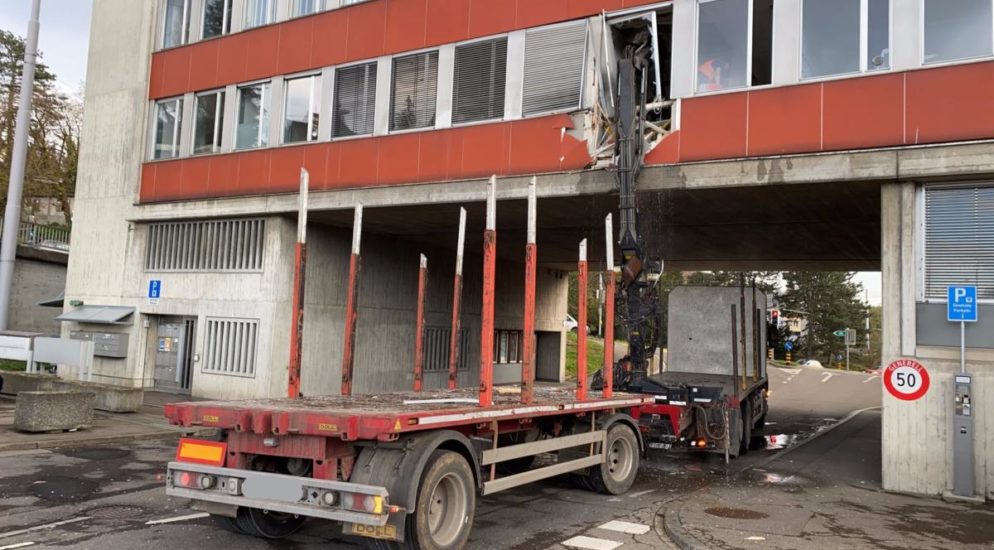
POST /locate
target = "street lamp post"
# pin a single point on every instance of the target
(12, 216)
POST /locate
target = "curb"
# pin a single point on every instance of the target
(107, 440)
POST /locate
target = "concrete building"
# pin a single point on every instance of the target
(800, 134)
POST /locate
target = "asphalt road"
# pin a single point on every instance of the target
(112, 497)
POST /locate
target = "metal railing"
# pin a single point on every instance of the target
(42, 236)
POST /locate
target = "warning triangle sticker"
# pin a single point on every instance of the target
(396, 427)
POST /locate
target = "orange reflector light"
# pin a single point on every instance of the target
(201, 452)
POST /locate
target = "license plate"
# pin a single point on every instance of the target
(663, 446)
(386, 532)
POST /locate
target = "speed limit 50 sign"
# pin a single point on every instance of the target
(906, 379)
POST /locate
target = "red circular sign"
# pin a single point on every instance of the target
(906, 379)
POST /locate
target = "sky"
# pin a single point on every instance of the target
(63, 38)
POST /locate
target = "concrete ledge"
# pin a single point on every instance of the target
(45, 411)
(109, 397)
(17, 382)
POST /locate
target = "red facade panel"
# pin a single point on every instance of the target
(367, 30)
(203, 68)
(532, 14)
(296, 45)
(230, 59)
(175, 67)
(405, 25)
(448, 21)
(714, 127)
(784, 119)
(331, 34)
(487, 17)
(520, 147)
(863, 113)
(262, 53)
(950, 104)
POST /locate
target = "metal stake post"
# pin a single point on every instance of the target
(299, 270)
(487, 314)
(581, 329)
(18, 160)
(419, 337)
(457, 305)
(531, 259)
(609, 310)
(348, 345)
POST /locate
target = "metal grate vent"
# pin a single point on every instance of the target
(480, 75)
(959, 240)
(217, 245)
(554, 59)
(231, 346)
(437, 349)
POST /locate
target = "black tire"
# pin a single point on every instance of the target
(445, 506)
(745, 433)
(228, 524)
(268, 525)
(617, 473)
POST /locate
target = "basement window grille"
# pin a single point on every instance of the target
(554, 60)
(231, 346)
(436, 349)
(206, 246)
(959, 240)
(480, 78)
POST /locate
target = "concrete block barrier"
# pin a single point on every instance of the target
(109, 397)
(17, 382)
(45, 411)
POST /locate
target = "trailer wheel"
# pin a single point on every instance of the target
(228, 524)
(746, 430)
(621, 462)
(446, 504)
(268, 525)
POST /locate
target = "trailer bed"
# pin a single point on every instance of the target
(383, 416)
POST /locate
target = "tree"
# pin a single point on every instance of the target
(829, 302)
(53, 136)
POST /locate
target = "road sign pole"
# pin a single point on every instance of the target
(847, 354)
(962, 346)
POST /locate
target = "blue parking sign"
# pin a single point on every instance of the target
(154, 289)
(962, 304)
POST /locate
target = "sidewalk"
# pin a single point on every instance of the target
(149, 423)
(824, 494)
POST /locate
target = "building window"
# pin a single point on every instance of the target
(217, 17)
(259, 12)
(959, 240)
(436, 349)
(350, 2)
(206, 246)
(231, 346)
(177, 23)
(253, 116)
(355, 100)
(415, 86)
(300, 8)
(301, 109)
(168, 126)
(554, 62)
(722, 45)
(480, 72)
(836, 32)
(209, 122)
(507, 346)
(957, 29)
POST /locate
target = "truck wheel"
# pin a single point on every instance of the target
(268, 525)
(621, 462)
(228, 524)
(746, 430)
(446, 504)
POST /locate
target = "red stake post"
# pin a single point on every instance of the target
(348, 344)
(581, 329)
(299, 269)
(419, 337)
(457, 305)
(608, 371)
(487, 314)
(528, 345)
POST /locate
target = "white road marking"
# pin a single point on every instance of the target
(178, 518)
(870, 378)
(828, 376)
(42, 527)
(18, 545)
(755, 538)
(625, 527)
(590, 543)
(641, 493)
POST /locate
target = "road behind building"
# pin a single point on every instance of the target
(112, 497)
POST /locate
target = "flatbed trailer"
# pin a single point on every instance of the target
(403, 470)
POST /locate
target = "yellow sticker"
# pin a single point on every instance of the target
(211, 419)
(396, 427)
(327, 427)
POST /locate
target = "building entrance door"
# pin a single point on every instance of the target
(174, 354)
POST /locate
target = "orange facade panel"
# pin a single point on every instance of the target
(354, 33)
(923, 106)
(503, 148)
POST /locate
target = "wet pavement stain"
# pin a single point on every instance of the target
(97, 453)
(735, 513)
(62, 489)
